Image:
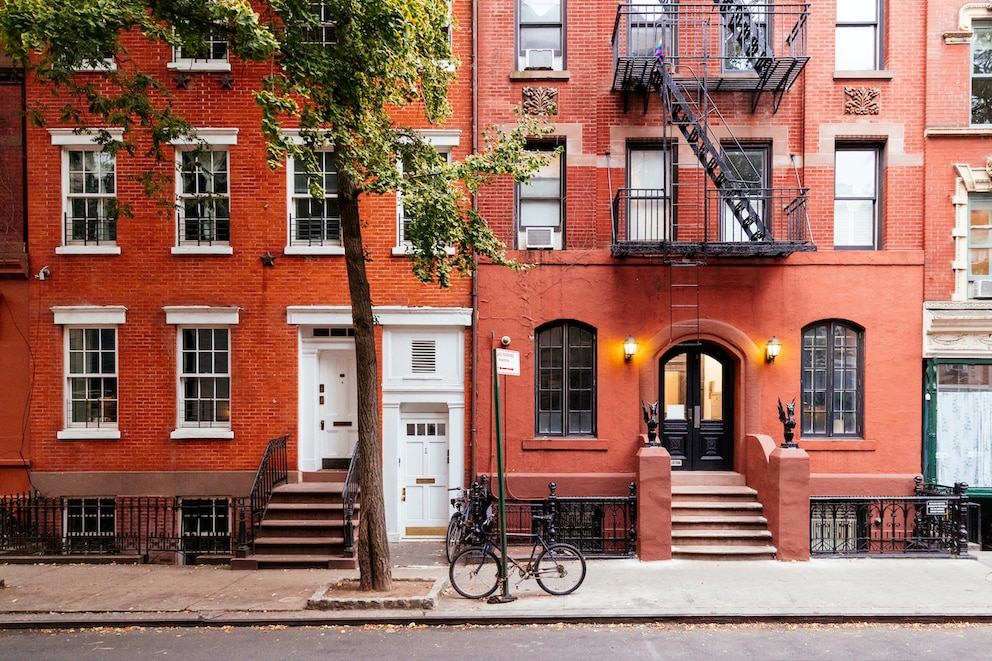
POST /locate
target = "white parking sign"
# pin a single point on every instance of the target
(508, 362)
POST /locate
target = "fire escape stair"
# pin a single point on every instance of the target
(303, 527)
(715, 516)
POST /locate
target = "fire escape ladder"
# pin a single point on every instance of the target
(683, 292)
(685, 114)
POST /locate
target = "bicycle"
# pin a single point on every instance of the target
(472, 518)
(559, 568)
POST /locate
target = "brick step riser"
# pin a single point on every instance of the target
(298, 549)
(716, 557)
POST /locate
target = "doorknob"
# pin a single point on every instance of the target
(403, 497)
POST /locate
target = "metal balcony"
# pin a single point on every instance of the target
(730, 45)
(650, 223)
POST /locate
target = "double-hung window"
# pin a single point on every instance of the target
(90, 525)
(541, 34)
(858, 39)
(980, 240)
(833, 380)
(210, 54)
(566, 380)
(322, 32)
(204, 370)
(204, 197)
(540, 204)
(981, 73)
(443, 141)
(857, 180)
(648, 205)
(749, 165)
(314, 221)
(91, 370)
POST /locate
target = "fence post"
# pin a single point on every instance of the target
(242, 533)
(551, 508)
(961, 491)
(632, 529)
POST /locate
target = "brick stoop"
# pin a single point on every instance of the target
(303, 527)
(716, 516)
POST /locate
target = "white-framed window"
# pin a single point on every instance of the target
(204, 192)
(90, 525)
(314, 223)
(203, 337)
(648, 205)
(979, 236)
(210, 55)
(541, 35)
(90, 359)
(321, 34)
(981, 73)
(858, 35)
(105, 63)
(443, 141)
(541, 204)
(857, 177)
(89, 192)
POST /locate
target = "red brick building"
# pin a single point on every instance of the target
(636, 231)
(173, 343)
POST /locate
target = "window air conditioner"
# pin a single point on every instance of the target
(540, 238)
(539, 58)
(983, 288)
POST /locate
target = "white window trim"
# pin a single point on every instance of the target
(968, 179)
(89, 316)
(200, 64)
(444, 142)
(212, 138)
(291, 249)
(198, 315)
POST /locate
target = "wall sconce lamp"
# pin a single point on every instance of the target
(629, 349)
(772, 349)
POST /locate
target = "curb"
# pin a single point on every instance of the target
(320, 602)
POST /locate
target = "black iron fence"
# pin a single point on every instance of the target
(603, 526)
(933, 521)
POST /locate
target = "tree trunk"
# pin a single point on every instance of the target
(373, 545)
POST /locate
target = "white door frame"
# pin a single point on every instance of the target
(309, 458)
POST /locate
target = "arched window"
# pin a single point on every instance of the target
(565, 388)
(833, 380)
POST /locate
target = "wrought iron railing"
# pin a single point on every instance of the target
(90, 230)
(315, 230)
(273, 470)
(934, 521)
(349, 498)
(601, 526)
(140, 526)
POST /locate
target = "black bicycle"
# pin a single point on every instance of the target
(559, 568)
(472, 519)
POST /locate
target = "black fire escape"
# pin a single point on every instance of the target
(684, 53)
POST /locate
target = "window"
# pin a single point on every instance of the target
(566, 380)
(541, 34)
(540, 203)
(649, 192)
(314, 222)
(90, 525)
(91, 356)
(749, 165)
(205, 377)
(833, 380)
(204, 197)
(90, 197)
(963, 435)
(650, 24)
(208, 55)
(858, 36)
(745, 36)
(322, 33)
(979, 236)
(442, 141)
(206, 526)
(981, 74)
(856, 184)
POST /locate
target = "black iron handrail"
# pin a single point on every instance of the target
(273, 470)
(349, 496)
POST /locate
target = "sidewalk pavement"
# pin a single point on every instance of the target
(821, 590)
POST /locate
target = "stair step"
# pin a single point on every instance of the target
(325, 540)
(731, 553)
(713, 490)
(719, 521)
(288, 561)
(707, 478)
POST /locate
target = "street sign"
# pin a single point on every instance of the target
(508, 362)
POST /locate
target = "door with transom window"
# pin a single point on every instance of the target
(696, 411)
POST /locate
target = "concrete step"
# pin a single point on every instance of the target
(716, 508)
(300, 527)
(699, 537)
(718, 522)
(707, 478)
(712, 492)
(293, 561)
(723, 553)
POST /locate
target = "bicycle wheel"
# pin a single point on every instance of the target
(560, 569)
(453, 540)
(474, 572)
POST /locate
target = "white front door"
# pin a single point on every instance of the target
(424, 471)
(337, 404)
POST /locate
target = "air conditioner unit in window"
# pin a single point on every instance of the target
(539, 58)
(539, 238)
(983, 289)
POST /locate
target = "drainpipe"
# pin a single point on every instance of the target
(474, 342)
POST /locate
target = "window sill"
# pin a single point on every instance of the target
(199, 65)
(851, 445)
(88, 250)
(209, 433)
(89, 434)
(313, 250)
(582, 444)
(979, 130)
(539, 74)
(406, 250)
(866, 74)
(202, 250)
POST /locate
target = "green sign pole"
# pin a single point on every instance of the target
(501, 479)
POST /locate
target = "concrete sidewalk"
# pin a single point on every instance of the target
(895, 589)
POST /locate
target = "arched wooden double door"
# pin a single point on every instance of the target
(697, 399)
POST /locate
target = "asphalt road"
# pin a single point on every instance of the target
(508, 643)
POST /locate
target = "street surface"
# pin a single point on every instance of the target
(573, 642)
